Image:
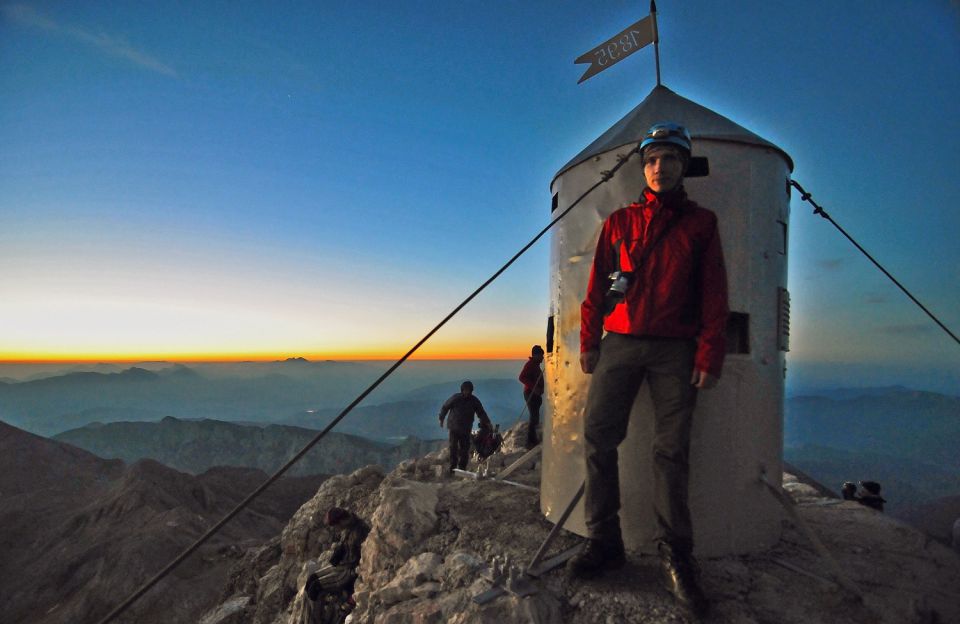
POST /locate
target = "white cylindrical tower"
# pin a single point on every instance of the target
(738, 426)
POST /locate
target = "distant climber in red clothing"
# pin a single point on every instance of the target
(532, 379)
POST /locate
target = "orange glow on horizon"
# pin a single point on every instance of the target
(479, 345)
(517, 353)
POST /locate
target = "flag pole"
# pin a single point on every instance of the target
(656, 36)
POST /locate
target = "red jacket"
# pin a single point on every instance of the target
(680, 292)
(532, 377)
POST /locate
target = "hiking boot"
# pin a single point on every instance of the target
(598, 557)
(679, 575)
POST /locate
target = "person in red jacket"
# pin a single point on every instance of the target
(658, 288)
(532, 379)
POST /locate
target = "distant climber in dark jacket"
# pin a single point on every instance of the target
(849, 491)
(462, 407)
(871, 495)
(532, 379)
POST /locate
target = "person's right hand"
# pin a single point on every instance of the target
(588, 360)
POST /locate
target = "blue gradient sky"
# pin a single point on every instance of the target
(244, 179)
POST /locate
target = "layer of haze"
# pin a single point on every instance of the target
(222, 181)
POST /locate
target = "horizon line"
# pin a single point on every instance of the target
(253, 359)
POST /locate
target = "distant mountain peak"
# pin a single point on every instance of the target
(846, 393)
(196, 445)
(135, 372)
(78, 529)
(179, 371)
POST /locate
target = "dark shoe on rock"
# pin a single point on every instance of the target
(598, 557)
(679, 574)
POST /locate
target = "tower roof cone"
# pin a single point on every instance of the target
(662, 104)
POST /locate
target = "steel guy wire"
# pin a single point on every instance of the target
(818, 210)
(605, 176)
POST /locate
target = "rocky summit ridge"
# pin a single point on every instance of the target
(79, 533)
(433, 539)
(195, 446)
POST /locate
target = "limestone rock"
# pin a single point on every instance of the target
(427, 590)
(272, 595)
(406, 515)
(275, 574)
(417, 577)
(229, 612)
(433, 542)
(461, 568)
(800, 492)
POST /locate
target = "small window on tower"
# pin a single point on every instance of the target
(555, 202)
(783, 239)
(550, 334)
(738, 332)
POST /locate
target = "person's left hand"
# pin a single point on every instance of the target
(703, 380)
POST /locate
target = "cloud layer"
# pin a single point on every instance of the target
(108, 44)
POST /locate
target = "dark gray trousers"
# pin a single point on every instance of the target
(533, 401)
(667, 365)
(459, 449)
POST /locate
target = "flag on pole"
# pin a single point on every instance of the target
(619, 46)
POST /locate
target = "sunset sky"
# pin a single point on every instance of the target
(223, 180)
